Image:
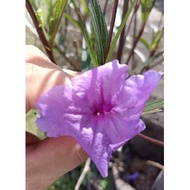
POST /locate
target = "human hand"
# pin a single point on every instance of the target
(51, 158)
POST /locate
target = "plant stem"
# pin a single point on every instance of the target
(122, 37)
(152, 140)
(76, 66)
(105, 7)
(40, 32)
(111, 28)
(83, 174)
(135, 42)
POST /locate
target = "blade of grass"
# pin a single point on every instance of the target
(125, 19)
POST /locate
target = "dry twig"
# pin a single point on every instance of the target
(82, 176)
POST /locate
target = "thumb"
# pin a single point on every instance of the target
(50, 159)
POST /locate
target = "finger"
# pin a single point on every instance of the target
(37, 57)
(41, 75)
(51, 159)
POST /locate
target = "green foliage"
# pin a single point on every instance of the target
(55, 17)
(156, 40)
(154, 106)
(125, 19)
(31, 125)
(100, 30)
(58, 10)
(146, 7)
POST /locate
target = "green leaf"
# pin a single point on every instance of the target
(145, 43)
(154, 106)
(146, 7)
(31, 126)
(49, 11)
(54, 24)
(99, 28)
(156, 40)
(114, 41)
(85, 7)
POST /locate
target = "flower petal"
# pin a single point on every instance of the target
(136, 92)
(100, 109)
(58, 114)
(97, 86)
(121, 129)
(96, 144)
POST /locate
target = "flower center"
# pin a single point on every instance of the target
(101, 113)
(102, 110)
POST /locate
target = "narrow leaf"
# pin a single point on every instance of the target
(154, 106)
(146, 7)
(156, 40)
(58, 13)
(99, 28)
(145, 43)
(125, 19)
(85, 7)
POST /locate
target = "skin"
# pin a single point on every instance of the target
(51, 158)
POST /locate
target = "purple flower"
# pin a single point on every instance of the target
(100, 109)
